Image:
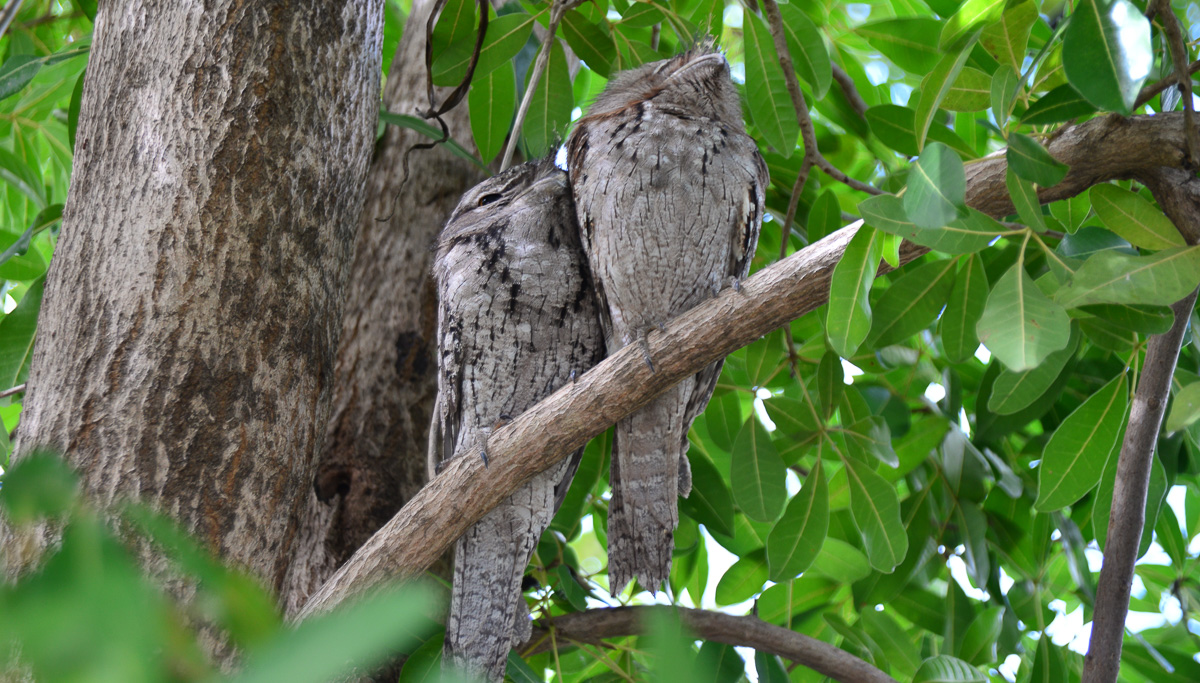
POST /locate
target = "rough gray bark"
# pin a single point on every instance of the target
(186, 342)
(384, 375)
(517, 319)
(669, 191)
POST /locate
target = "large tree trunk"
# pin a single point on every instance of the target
(186, 343)
(384, 377)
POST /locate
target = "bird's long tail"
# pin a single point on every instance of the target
(487, 610)
(649, 456)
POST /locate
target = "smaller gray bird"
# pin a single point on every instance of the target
(517, 319)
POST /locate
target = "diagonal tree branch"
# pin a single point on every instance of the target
(1179, 58)
(594, 625)
(1178, 193)
(786, 290)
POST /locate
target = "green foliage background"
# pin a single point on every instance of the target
(884, 483)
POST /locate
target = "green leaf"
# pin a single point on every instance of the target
(363, 634)
(73, 109)
(961, 236)
(963, 310)
(937, 185)
(17, 334)
(1185, 408)
(913, 302)
(1133, 218)
(743, 580)
(720, 663)
(934, 88)
(457, 22)
(947, 669)
(19, 70)
(39, 485)
(1025, 199)
(592, 42)
(1145, 320)
(971, 91)
(1014, 391)
(18, 174)
(758, 476)
(1114, 277)
(1171, 537)
(979, 642)
(1060, 104)
(567, 587)
(641, 15)
(824, 217)
(1020, 325)
(779, 602)
(710, 502)
(88, 7)
(769, 668)
(905, 42)
(840, 561)
(766, 91)
(830, 383)
(723, 418)
(1072, 212)
(797, 537)
(514, 668)
(764, 358)
(971, 15)
(18, 261)
(1107, 53)
(16, 72)
(670, 646)
(809, 55)
(424, 128)
(550, 109)
(1075, 455)
(1005, 86)
(1007, 39)
(505, 37)
(1048, 663)
(849, 313)
(1032, 162)
(894, 127)
(491, 102)
(876, 513)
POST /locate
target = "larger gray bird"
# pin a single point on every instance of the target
(669, 193)
(517, 319)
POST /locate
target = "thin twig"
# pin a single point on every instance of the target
(15, 390)
(8, 14)
(1150, 91)
(742, 631)
(1179, 57)
(797, 189)
(850, 90)
(807, 132)
(557, 10)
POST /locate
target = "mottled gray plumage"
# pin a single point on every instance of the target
(669, 193)
(516, 319)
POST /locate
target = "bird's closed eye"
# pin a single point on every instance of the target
(490, 198)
